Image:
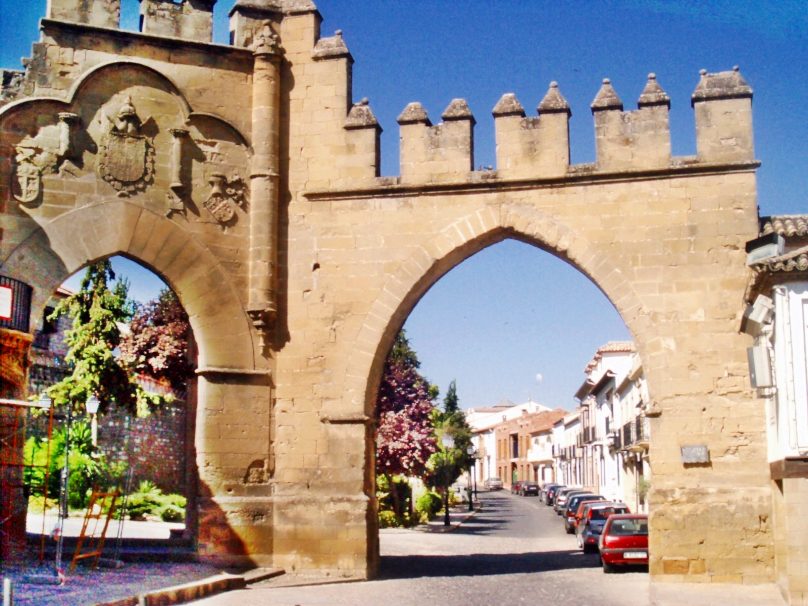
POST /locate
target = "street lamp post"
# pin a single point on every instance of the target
(91, 406)
(471, 452)
(448, 443)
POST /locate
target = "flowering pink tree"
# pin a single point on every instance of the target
(404, 433)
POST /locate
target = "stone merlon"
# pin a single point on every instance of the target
(554, 102)
(653, 94)
(414, 113)
(508, 105)
(606, 98)
(458, 109)
(722, 85)
(289, 7)
(361, 116)
(331, 48)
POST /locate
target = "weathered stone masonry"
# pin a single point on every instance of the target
(247, 177)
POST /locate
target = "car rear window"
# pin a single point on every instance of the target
(604, 512)
(629, 527)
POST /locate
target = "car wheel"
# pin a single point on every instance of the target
(569, 529)
(607, 568)
(587, 548)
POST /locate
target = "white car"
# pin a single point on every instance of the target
(493, 484)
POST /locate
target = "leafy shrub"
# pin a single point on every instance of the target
(149, 500)
(87, 467)
(388, 519)
(174, 499)
(172, 513)
(36, 503)
(146, 500)
(428, 503)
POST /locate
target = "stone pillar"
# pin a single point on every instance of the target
(264, 190)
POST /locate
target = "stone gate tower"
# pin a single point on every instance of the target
(248, 177)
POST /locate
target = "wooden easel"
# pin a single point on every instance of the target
(99, 501)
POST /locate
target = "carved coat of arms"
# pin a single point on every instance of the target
(126, 157)
(37, 155)
(225, 196)
(28, 179)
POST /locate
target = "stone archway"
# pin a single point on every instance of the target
(452, 245)
(116, 226)
(264, 210)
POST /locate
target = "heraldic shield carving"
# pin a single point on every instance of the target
(225, 197)
(28, 178)
(126, 157)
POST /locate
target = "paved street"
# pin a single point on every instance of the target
(514, 551)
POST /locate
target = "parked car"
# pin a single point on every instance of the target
(543, 488)
(572, 508)
(550, 494)
(624, 541)
(563, 495)
(527, 488)
(593, 517)
(493, 484)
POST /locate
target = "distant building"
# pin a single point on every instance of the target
(483, 421)
(520, 453)
(567, 451)
(49, 349)
(614, 430)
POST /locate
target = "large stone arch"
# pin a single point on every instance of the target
(453, 244)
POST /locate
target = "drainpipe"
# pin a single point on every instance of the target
(264, 181)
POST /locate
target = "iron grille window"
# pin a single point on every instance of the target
(20, 304)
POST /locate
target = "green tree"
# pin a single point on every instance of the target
(97, 310)
(404, 433)
(157, 343)
(447, 464)
(451, 403)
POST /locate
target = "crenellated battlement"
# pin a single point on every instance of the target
(638, 139)
(188, 19)
(101, 13)
(538, 146)
(528, 146)
(320, 96)
(439, 153)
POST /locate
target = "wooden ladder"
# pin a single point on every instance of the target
(99, 502)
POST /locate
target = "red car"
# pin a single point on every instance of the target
(624, 541)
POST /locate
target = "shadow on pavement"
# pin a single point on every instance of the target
(482, 564)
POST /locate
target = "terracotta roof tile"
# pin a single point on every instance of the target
(785, 225)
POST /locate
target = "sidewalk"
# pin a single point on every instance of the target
(131, 529)
(707, 594)
(457, 515)
(157, 581)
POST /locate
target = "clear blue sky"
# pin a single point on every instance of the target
(537, 315)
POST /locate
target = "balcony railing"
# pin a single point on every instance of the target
(636, 434)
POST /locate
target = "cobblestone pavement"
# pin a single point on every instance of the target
(85, 587)
(514, 551)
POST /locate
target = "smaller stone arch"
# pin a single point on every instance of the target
(115, 226)
(132, 67)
